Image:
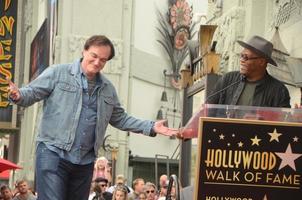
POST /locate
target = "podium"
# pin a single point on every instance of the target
(247, 153)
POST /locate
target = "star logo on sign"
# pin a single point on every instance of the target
(221, 137)
(275, 135)
(255, 141)
(240, 144)
(288, 158)
(295, 139)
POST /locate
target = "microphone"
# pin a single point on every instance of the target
(242, 79)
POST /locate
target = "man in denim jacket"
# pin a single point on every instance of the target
(79, 102)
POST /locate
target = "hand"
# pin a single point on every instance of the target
(160, 128)
(14, 92)
(185, 133)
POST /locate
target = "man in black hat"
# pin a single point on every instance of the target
(100, 186)
(251, 85)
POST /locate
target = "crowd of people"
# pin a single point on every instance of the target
(101, 187)
(22, 191)
(140, 190)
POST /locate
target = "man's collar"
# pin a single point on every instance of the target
(263, 79)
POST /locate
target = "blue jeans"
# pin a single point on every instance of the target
(58, 179)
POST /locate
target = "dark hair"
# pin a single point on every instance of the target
(4, 187)
(100, 179)
(100, 40)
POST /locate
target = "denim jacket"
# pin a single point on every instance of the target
(61, 91)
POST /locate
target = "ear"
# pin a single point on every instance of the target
(263, 62)
(84, 52)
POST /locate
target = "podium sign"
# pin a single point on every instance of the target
(248, 160)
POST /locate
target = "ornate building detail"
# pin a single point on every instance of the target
(175, 29)
(230, 28)
(286, 11)
(214, 9)
(114, 66)
(76, 44)
(280, 55)
(289, 68)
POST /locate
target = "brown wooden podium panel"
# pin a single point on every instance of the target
(248, 160)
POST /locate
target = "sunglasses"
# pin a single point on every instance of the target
(103, 185)
(244, 57)
(150, 191)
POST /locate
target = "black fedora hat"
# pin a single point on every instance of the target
(101, 179)
(260, 46)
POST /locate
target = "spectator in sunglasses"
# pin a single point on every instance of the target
(99, 190)
(150, 190)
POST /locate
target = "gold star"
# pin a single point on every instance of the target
(229, 144)
(255, 141)
(209, 141)
(288, 158)
(233, 135)
(240, 144)
(221, 137)
(275, 135)
(295, 139)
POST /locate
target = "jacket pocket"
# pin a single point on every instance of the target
(109, 105)
(67, 87)
(108, 100)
